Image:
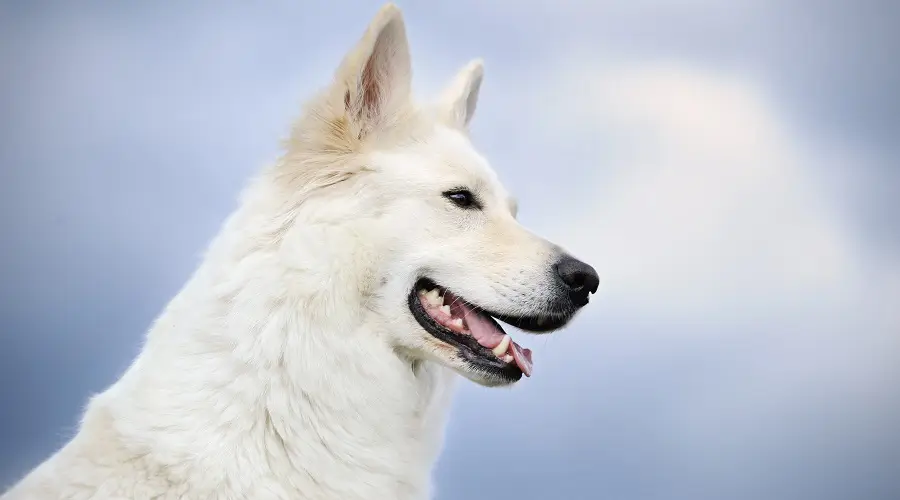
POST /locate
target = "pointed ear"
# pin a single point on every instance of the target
(375, 77)
(458, 101)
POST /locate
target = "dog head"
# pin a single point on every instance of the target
(439, 252)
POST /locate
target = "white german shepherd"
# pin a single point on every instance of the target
(311, 355)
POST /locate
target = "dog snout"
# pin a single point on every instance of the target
(579, 279)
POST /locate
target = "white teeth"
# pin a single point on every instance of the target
(507, 359)
(457, 322)
(445, 310)
(433, 297)
(501, 348)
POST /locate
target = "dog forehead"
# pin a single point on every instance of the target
(445, 156)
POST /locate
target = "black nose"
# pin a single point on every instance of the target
(580, 279)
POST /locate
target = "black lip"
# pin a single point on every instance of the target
(536, 324)
(477, 355)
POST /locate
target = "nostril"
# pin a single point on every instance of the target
(577, 275)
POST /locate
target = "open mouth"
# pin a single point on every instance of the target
(475, 332)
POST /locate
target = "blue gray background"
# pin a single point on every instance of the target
(731, 168)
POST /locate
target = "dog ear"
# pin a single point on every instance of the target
(458, 101)
(375, 77)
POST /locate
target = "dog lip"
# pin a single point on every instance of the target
(477, 350)
(478, 357)
(542, 323)
(536, 324)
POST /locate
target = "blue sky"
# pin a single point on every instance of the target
(729, 167)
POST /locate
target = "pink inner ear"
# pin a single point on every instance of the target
(382, 74)
(370, 90)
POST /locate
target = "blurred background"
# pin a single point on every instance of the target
(730, 167)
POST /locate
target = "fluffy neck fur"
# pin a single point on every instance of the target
(266, 351)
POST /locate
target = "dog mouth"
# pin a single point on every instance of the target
(475, 332)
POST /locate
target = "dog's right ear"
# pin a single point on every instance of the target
(374, 79)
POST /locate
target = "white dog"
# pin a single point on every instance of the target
(311, 355)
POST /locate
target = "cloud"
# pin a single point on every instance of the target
(699, 197)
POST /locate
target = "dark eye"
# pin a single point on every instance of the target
(463, 198)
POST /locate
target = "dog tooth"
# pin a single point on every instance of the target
(501, 348)
(445, 310)
(457, 322)
(433, 298)
(507, 358)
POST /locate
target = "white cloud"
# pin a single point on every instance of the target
(704, 200)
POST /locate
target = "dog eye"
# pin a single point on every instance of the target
(463, 198)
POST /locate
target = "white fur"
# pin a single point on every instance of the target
(289, 366)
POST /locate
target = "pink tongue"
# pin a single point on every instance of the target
(489, 335)
(523, 358)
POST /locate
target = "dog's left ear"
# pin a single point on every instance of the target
(458, 101)
(375, 78)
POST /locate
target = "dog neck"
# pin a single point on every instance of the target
(270, 359)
